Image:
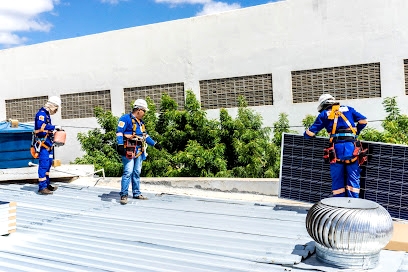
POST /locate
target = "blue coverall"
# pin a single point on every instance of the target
(128, 125)
(44, 131)
(345, 176)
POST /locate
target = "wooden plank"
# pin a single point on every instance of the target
(399, 239)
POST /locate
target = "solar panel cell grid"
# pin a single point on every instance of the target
(383, 185)
(403, 213)
(371, 194)
(384, 178)
(404, 201)
(394, 211)
(396, 188)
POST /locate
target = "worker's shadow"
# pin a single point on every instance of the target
(112, 196)
(30, 188)
(298, 209)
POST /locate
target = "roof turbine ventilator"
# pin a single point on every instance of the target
(349, 232)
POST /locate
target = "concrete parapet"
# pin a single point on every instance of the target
(263, 186)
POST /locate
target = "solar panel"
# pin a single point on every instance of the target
(384, 177)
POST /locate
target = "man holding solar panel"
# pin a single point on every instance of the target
(344, 152)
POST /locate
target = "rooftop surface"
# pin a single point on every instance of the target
(84, 228)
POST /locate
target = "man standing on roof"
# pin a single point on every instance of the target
(44, 134)
(344, 152)
(132, 140)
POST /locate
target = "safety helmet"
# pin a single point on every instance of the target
(324, 101)
(140, 103)
(55, 100)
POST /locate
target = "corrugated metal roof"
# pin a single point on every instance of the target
(86, 229)
(404, 264)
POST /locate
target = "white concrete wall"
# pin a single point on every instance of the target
(273, 38)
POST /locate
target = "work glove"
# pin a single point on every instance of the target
(121, 150)
(58, 128)
(158, 146)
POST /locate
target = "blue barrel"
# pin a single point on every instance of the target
(15, 143)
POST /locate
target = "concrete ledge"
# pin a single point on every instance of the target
(31, 173)
(269, 187)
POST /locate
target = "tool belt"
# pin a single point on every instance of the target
(359, 154)
(131, 146)
(36, 144)
(329, 154)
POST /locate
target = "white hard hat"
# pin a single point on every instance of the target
(325, 99)
(140, 103)
(55, 100)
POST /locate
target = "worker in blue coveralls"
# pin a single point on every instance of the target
(132, 140)
(344, 149)
(44, 131)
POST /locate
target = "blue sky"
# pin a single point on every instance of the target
(25, 22)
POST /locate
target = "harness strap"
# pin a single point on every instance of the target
(329, 153)
(347, 161)
(142, 127)
(37, 143)
(342, 135)
(46, 146)
(335, 113)
(348, 123)
(135, 140)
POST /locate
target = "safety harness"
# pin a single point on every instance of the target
(349, 134)
(132, 143)
(37, 142)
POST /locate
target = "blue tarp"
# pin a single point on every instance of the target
(5, 127)
(15, 145)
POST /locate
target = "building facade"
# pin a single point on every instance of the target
(281, 56)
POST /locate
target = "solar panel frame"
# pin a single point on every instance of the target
(305, 177)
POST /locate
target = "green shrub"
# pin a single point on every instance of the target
(99, 144)
(193, 146)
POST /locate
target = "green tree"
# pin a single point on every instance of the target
(99, 145)
(395, 125)
(192, 144)
(309, 120)
(280, 127)
(253, 154)
(191, 141)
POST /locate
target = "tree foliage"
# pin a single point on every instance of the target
(195, 146)
(190, 141)
(280, 127)
(250, 150)
(309, 120)
(99, 144)
(395, 125)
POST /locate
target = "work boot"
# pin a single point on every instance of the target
(123, 199)
(140, 197)
(52, 188)
(45, 191)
